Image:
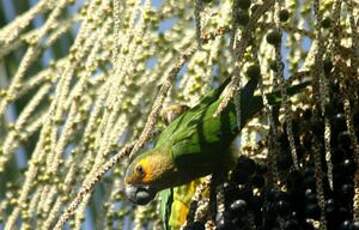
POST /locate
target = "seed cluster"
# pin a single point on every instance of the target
(251, 200)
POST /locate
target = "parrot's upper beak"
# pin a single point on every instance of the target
(140, 195)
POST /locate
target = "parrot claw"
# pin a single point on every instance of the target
(140, 195)
(171, 112)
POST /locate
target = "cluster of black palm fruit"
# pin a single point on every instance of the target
(297, 206)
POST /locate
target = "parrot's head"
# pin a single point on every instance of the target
(147, 174)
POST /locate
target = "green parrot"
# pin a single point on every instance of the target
(194, 145)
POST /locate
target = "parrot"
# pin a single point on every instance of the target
(193, 145)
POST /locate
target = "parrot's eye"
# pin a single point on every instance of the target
(140, 171)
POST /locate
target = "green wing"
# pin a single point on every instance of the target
(166, 198)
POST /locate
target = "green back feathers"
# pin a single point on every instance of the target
(199, 137)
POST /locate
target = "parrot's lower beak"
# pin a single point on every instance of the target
(140, 195)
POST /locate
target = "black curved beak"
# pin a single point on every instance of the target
(140, 195)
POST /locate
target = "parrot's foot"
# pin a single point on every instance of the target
(170, 113)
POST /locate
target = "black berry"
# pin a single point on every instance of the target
(244, 4)
(283, 15)
(274, 37)
(242, 17)
(254, 72)
(326, 22)
(238, 207)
